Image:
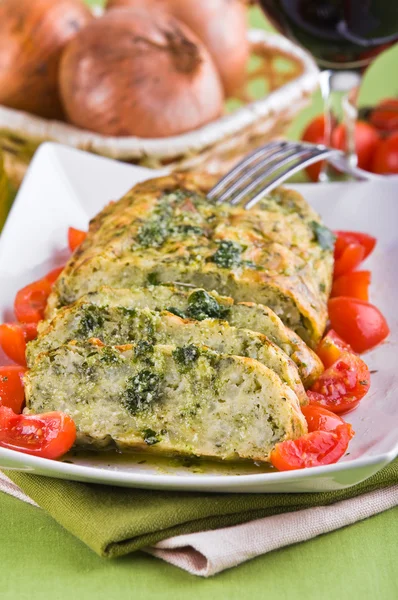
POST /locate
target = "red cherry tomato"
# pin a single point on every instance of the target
(341, 387)
(13, 339)
(385, 159)
(12, 393)
(315, 134)
(331, 347)
(320, 419)
(47, 435)
(349, 260)
(353, 285)
(366, 139)
(385, 116)
(31, 301)
(75, 238)
(344, 238)
(361, 323)
(53, 275)
(313, 449)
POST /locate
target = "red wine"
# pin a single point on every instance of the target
(340, 34)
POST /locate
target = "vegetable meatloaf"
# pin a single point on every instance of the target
(200, 304)
(142, 356)
(174, 400)
(164, 230)
(119, 325)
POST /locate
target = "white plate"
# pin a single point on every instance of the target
(67, 187)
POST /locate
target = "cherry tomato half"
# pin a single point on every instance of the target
(344, 238)
(53, 275)
(313, 449)
(31, 301)
(75, 238)
(351, 257)
(342, 385)
(361, 323)
(47, 435)
(331, 347)
(320, 419)
(385, 159)
(13, 339)
(353, 285)
(366, 139)
(12, 393)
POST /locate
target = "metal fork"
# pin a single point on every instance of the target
(268, 166)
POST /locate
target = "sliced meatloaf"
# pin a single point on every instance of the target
(118, 324)
(171, 400)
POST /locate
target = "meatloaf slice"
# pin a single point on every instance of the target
(116, 325)
(170, 400)
(200, 304)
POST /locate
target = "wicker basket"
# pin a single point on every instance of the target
(287, 73)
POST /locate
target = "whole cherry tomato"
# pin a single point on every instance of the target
(385, 159)
(366, 139)
(385, 116)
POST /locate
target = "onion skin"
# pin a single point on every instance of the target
(132, 74)
(220, 24)
(32, 36)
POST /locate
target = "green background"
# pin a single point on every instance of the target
(39, 560)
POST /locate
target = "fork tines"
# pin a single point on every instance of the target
(264, 169)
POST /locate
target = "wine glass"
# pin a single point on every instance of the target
(344, 36)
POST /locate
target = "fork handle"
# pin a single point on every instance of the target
(340, 163)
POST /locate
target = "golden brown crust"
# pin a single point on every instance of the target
(281, 264)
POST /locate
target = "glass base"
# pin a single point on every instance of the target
(339, 92)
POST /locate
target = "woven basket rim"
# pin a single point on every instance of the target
(27, 126)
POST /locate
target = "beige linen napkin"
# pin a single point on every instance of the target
(207, 553)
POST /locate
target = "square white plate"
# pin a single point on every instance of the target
(66, 187)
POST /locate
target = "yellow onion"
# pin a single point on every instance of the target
(220, 24)
(32, 36)
(132, 74)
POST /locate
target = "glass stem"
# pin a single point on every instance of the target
(339, 99)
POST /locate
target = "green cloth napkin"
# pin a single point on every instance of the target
(116, 521)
